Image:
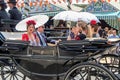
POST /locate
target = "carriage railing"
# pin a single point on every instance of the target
(9, 21)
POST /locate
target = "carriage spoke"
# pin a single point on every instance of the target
(19, 75)
(11, 73)
(7, 76)
(16, 77)
(11, 77)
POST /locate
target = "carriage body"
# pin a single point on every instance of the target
(54, 62)
(51, 62)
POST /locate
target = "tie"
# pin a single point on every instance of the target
(42, 36)
(2, 38)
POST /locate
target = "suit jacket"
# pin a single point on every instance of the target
(15, 14)
(4, 15)
(45, 38)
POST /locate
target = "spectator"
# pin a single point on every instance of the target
(71, 34)
(100, 31)
(83, 27)
(114, 35)
(81, 33)
(110, 32)
(105, 32)
(4, 15)
(93, 29)
(15, 14)
(61, 24)
(76, 34)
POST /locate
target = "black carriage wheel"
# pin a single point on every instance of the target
(112, 62)
(10, 72)
(89, 71)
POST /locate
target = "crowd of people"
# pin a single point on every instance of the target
(110, 33)
(82, 30)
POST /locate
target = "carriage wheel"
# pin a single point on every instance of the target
(118, 49)
(112, 62)
(89, 71)
(10, 72)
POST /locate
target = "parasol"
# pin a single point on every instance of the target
(75, 16)
(67, 16)
(87, 17)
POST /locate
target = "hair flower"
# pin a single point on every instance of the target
(29, 22)
(93, 22)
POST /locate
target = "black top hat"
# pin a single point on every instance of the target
(12, 1)
(2, 2)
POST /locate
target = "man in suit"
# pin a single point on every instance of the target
(3, 15)
(43, 39)
(15, 14)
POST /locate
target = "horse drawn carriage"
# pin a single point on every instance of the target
(69, 60)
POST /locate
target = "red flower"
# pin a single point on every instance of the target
(29, 22)
(93, 22)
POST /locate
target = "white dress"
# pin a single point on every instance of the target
(33, 42)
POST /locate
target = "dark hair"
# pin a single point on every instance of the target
(29, 25)
(61, 22)
(96, 28)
